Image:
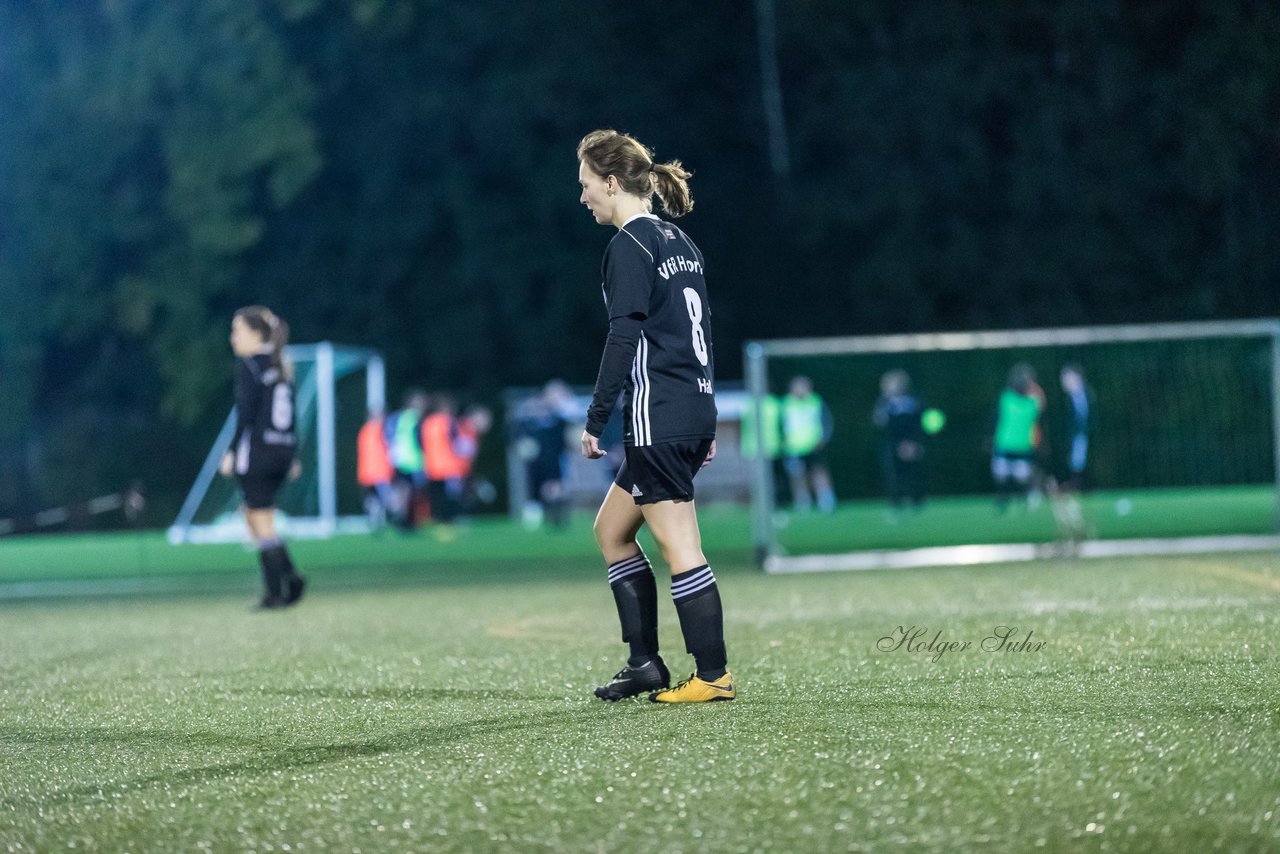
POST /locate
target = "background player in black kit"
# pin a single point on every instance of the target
(897, 414)
(262, 449)
(658, 354)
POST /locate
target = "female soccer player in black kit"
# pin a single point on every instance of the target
(658, 354)
(262, 449)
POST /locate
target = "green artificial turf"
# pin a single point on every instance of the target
(145, 560)
(454, 714)
(1109, 515)
(481, 549)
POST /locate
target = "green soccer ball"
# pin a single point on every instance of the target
(932, 420)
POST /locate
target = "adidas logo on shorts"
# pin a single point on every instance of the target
(635, 491)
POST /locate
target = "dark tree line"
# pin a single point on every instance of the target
(401, 175)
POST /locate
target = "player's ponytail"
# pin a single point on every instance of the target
(279, 338)
(671, 182)
(608, 152)
(274, 332)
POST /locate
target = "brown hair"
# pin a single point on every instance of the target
(608, 152)
(274, 331)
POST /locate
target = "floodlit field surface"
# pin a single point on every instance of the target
(144, 562)
(445, 706)
(1119, 514)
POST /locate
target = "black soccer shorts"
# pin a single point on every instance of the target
(662, 472)
(260, 487)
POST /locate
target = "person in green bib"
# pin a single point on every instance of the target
(1013, 448)
(770, 432)
(806, 429)
(767, 436)
(404, 446)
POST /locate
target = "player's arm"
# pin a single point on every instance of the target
(708, 330)
(246, 409)
(628, 282)
(615, 364)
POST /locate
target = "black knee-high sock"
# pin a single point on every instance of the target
(636, 594)
(697, 601)
(290, 571)
(293, 582)
(275, 567)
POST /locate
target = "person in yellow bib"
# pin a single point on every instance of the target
(807, 426)
(770, 432)
(766, 436)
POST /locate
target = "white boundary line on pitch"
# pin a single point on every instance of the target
(54, 589)
(1014, 552)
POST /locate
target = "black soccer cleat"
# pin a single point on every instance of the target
(633, 681)
(296, 584)
(271, 603)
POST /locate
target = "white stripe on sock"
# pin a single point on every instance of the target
(629, 567)
(690, 583)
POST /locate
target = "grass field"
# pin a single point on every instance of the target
(145, 561)
(444, 704)
(1117, 514)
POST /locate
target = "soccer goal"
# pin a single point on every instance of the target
(325, 499)
(1183, 448)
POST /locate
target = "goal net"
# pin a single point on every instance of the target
(331, 404)
(1181, 452)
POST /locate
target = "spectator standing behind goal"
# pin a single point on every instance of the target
(541, 437)
(767, 437)
(374, 471)
(405, 447)
(659, 353)
(1079, 417)
(445, 468)
(897, 415)
(473, 426)
(263, 445)
(807, 426)
(1041, 463)
(1013, 447)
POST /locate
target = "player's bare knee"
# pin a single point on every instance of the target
(612, 538)
(681, 557)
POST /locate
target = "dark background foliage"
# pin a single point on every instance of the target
(401, 175)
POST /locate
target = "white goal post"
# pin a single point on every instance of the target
(762, 357)
(209, 513)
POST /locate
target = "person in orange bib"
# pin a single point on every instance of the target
(445, 467)
(374, 470)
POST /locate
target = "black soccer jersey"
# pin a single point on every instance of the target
(265, 436)
(653, 275)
